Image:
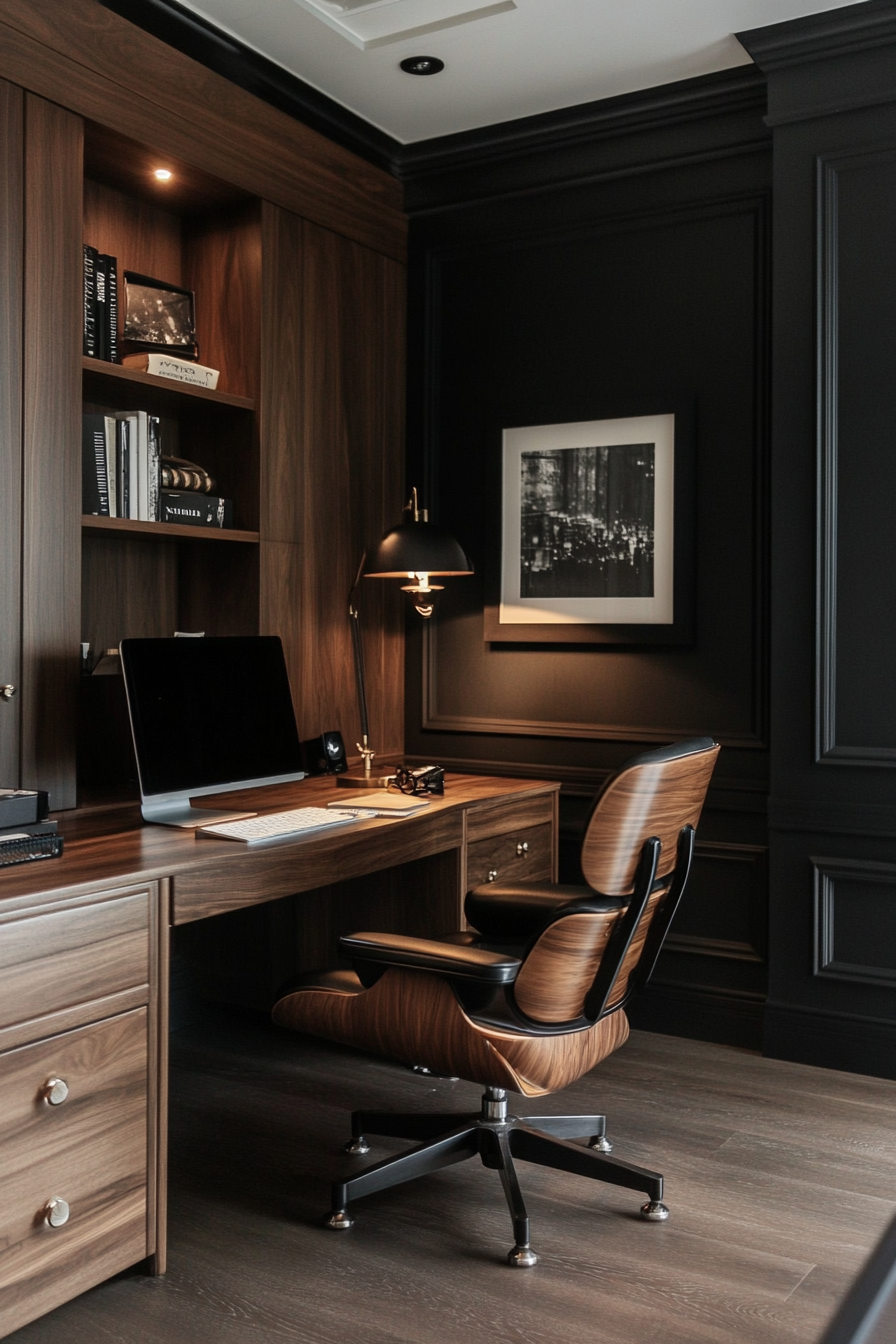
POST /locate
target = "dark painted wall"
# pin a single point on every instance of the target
(832, 106)
(572, 269)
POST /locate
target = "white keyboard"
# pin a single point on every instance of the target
(278, 825)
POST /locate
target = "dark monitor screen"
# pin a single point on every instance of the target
(210, 714)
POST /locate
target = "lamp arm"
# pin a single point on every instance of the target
(355, 618)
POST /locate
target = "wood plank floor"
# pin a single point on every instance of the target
(780, 1179)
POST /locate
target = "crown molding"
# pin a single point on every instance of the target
(839, 32)
(740, 89)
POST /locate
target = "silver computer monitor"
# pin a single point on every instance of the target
(208, 715)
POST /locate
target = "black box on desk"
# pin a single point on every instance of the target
(18, 807)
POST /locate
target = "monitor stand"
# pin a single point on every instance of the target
(180, 813)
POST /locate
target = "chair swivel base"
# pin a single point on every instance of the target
(496, 1138)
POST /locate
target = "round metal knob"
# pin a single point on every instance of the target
(522, 848)
(55, 1091)
(57, 1212)
(492, 874)
(8, 691)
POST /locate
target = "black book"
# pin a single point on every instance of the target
(102, 306)
(91, 340)
(154, 455)
(194, 509)
(94, 480)
(30, 828)
(110, 269)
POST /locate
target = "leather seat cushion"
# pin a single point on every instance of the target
(515, 910)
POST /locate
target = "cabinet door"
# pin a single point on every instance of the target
(51, 479)
(11, 216)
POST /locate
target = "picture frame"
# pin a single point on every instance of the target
(158, 316)
(597, 536)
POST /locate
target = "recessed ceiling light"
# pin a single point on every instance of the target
(422, 65)
(162, 174)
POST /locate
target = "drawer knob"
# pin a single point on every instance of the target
(522, 848)
(7, 691)
(57, 1212)
(492, 874)
(55, 1091)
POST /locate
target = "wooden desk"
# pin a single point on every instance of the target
(84, 954)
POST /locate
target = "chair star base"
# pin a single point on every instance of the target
(496, 1137)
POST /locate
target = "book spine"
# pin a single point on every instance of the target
(124, 468)
(195, 510)
(140, 464)
(111, 435)
(31, 828)
(110, 266)
(154, 466)
(91, 346)
(102, 303)
(94, 485)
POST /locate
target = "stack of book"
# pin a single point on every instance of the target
(100, 305)
(125, 476)
(25, 831)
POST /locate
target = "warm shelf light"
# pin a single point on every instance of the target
(162, 174)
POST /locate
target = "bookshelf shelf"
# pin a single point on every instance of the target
(92, 526)
(116, 374)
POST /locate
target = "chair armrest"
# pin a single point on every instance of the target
(426, 954)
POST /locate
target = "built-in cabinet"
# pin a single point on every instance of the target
(304, 320)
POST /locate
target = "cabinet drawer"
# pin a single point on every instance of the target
(89, 1150)
(57, 958)
(519, 856)
(522, 812)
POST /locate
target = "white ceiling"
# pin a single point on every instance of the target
(503, 60)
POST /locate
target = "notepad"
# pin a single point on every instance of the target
(381, 803)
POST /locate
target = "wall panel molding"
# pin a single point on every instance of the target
(831, 910)
(828, 749)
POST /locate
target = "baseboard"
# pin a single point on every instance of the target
(701, 1015)
(830, 1040)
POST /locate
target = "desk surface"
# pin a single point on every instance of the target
(113, 846)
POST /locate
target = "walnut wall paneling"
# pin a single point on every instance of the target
(51, 467)
(120, 76)
(11, 245)
(349, 482)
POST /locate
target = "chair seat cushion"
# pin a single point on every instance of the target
(516, 910)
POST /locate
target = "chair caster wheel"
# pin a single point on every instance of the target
(357, 1147)
(522, 1257)
(654, 1211)
(600, 1144)
(340, 1219)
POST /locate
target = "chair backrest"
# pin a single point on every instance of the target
(654, 794)
(637, 854)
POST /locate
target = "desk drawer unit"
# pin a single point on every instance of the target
(77, 1126)
(73, 1135)
(511, 844)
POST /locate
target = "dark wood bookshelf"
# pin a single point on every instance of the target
(117, 374)
(94, 526)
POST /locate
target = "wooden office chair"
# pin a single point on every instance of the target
(527, 1004)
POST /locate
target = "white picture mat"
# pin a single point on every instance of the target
(656, 610)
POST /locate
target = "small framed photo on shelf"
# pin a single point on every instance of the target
(597, 533)
(158, 316)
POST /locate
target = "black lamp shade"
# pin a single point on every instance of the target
(416, 548)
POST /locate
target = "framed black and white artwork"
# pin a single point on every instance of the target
(595, 541)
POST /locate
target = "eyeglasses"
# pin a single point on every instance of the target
(425, 779)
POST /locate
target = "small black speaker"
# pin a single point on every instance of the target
(325, 755)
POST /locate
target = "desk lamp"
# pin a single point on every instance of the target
(416, 550)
